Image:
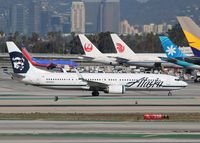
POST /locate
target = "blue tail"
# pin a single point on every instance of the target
(171, 50)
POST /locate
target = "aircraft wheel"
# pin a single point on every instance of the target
(169, 93)
(95, 93)
(56, 98)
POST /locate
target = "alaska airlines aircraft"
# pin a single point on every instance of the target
(93, 54)
(25, 72)
(174, 54)
(145, 60)
(48, 63)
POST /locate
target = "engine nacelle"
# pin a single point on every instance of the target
(119, 89)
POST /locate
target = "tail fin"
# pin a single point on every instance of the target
(20, 63)
(121, 47)
(27, 55)
(171, 50)
(192, 33)
(89, 49)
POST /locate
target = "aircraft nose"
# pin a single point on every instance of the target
(184, 84)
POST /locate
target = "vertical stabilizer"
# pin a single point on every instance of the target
(171, 50)
(27, 55)
(192, 33)
(89, 48)
(20, 63)
(121, 47)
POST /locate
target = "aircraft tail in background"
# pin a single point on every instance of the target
(89, 48)
(171, 50)
(121, 47)
(192, 33)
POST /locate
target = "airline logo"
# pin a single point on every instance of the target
(146, 82)
(171, 50)
(19, 63)
(120, 47)
(88, 47)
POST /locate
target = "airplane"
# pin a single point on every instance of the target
(121, 58)
(151, 60)
(49, 64)
(93, 54)
(192, 33)
(117, 83)
(174, 54)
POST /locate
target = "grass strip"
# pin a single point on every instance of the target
(132, 117)
(105, 135)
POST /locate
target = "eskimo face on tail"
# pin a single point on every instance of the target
(19, 62)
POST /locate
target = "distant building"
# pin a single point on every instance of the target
(45, 22)
(5, 21)
(102, 16)
(18, 19)
(78, 17)
(110, 15)
(56, 23)
(126, 28)
(34, 19)
(153, 28)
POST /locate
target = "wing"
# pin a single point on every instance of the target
(94, 85)
(171, 60)
(121, 60)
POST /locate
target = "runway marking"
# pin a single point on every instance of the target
(102, 135)
(82, 98)
(104, 105)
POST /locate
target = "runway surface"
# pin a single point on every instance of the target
(70, 131)
(16, 97)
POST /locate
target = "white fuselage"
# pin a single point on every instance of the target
(130, 81)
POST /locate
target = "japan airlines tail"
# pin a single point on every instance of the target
(106, 82)
(174, 54)
(93, 54)
(192, 33)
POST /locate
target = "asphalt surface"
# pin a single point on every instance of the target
(70, 131)
(15, 97)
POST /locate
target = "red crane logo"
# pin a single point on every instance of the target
(88, 47)
(120, 47)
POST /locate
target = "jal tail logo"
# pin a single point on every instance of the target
(88, 47)
(120, 47)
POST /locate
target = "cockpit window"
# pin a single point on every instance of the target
(177, 79)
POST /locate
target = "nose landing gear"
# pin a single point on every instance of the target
(95, 93)
(169, 93)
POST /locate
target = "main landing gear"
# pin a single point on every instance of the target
(169, 93)
(95, 93)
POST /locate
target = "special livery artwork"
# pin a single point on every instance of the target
(19, 62)
(146, 82)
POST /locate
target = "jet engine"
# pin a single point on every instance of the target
(119, 89)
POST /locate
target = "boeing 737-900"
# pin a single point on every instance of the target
(25, 72)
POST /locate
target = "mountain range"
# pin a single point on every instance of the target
(158, 11)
